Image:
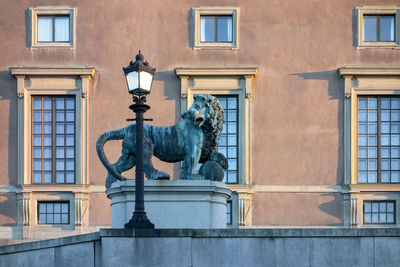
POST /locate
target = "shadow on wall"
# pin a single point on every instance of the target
(172, 88)
(335, 92)
(8, 96)
(190, 28)
(28, 29)
(354, 27)
(8, 207)
(334, 207)
(8, 199)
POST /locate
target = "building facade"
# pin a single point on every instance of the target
(310, 92)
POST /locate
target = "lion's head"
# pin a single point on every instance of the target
(207, 113)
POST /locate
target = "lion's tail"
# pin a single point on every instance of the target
(104, 138)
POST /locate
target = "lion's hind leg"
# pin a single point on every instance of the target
(124, 163)
(151, 172)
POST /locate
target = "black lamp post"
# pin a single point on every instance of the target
(139, 77)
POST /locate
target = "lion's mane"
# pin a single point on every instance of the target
(212, 126)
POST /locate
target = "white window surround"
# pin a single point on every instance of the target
(52, 10)
(73, 81)
(52, 81)
(29, 195)
(228, 81)
(377, 10)
(360, 81)
(215, 11)
(357, 200)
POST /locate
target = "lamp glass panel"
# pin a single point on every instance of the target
(145, 80)
(132, 80)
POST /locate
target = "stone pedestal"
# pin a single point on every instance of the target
(196, 204)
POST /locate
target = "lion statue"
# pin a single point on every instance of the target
(194, 139)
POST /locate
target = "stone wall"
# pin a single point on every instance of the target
(187, 247)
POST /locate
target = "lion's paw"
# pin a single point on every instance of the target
(161, 176)
(196, 177)
(111, 179)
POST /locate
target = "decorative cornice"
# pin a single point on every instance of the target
(358, 71)
(355, 188)
(64, 71)
(31, 188)
(299, 189)
(241, 188)
(216, 71)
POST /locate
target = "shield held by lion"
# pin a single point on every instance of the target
(194, 139)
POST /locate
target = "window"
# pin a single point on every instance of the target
(378, 26)
(53, 145)
(53, 212)
(228, 142)
(52, 26)
(233, 87)
(229, 212)
(379, 212)
(216, 28)
(53, 139)
(371, 144)
(53, 29)
(378, 139)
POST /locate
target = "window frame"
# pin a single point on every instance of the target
(53, 137)
(53, 202)
(216, 28)
(68, 81)
(53, 19)
(228, 81)
(378, 30)
(55, 81)
(229, 213)
(379, 201)
(198, 12)
(52, 11)
(360, 195)
(378, 134)
(224, 81)
(377, 11)
(237, 137)
(364, 81)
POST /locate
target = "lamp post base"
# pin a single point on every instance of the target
(139, 220)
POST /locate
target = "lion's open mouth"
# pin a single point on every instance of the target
(199, 120)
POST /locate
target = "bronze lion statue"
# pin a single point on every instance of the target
(194, 139)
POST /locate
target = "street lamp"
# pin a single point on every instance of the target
(139, 77)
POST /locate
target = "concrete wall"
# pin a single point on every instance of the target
(295, 247)
(67, 251)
